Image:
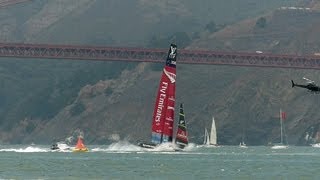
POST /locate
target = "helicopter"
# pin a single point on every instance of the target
(311, 86)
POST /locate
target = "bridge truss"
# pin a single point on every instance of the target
(73, 52)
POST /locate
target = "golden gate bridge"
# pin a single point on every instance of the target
(131, 54)
(76, 52)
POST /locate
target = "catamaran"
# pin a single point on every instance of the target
(182, 135)
(243, 145)
(210, 140)
(280, 145)
(163, 114)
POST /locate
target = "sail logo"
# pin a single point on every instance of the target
(170, 75)
(170, 107)
(162, 98)
(173, 52)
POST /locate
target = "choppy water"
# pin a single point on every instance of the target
(125, 161)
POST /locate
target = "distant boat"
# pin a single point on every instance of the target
(206, 140)
(54, 146)
(243, 145)
(163, 114)
(317, 145)
(60, 146)
(280, 145)
(80, 147)
(182, 135)
(210, 140)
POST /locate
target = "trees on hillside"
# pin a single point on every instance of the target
(180, 38)
(211, 27)
(261, 22)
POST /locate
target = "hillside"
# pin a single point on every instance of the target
(135, 22)
(45, 100)
(241, 99)
(267, 90)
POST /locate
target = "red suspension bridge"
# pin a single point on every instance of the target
(46, 51)
(75, 52)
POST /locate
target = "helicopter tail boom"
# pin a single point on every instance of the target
(292, 83)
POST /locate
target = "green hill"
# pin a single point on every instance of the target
(45, 100)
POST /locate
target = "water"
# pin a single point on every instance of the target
(125, 161)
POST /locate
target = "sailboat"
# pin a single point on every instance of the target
(163, 114)
(280, 145)
(243, 145)
(182, 135)
(210, 140)
(80, 147)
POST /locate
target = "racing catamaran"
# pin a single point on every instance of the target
(163, 114)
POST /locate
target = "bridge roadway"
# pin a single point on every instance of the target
(129, 54)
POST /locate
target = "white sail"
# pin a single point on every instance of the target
(206, 137)
(213, 133)
(280, 145)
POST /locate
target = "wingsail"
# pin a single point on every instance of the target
(163, 114)
(182, 135)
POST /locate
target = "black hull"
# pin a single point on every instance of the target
(147, 145)
(54, 147)
(152, 146)
(181, 146)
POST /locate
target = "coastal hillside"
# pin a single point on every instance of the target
(257, 97)
(45, 100)
(244, 101)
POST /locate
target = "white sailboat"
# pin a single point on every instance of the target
(206, 140)
(210, 140)
(280, 145)
(243, 145)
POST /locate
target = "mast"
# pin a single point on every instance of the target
(281, 139)
(163, 114)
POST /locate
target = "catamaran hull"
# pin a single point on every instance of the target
(279, 147)
(147, 145)
(208, 146)
(181, 145)
(154, 146)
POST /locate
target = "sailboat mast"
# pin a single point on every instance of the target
(281, 126)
